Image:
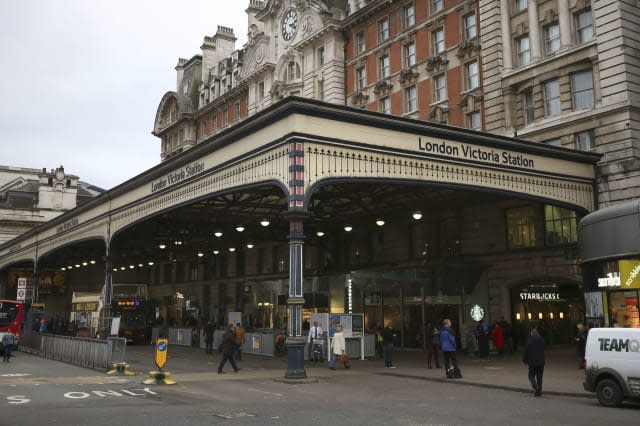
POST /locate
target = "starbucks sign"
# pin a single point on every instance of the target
(477, 313)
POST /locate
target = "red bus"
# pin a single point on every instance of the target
(11, 318)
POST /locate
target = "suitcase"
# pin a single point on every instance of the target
(454, 373)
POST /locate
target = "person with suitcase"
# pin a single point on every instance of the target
(449, 347)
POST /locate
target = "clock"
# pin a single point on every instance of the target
(289, 24)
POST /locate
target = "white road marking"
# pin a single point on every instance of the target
(265, 392)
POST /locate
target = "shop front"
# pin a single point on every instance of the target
(554, 307)
(609, 250)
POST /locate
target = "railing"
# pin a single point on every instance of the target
(91, 353)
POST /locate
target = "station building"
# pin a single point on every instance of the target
(329, 165)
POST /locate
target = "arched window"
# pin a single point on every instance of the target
(293, 71)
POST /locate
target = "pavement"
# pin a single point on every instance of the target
(561, 375)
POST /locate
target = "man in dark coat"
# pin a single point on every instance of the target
(533, 357)
(209, 331)
(228, 348)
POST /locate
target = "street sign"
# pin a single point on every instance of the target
(22, 283)
(21, 293)
(161, 353)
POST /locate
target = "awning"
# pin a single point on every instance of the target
(610, 233)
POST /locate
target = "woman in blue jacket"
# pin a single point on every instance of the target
(448, 345)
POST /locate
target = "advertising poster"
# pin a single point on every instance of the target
(256, 342)
(593, 305)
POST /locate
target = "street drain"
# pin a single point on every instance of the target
(235, 415)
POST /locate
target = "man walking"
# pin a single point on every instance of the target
(449, 347)
(533, 357)
(209, 330)
(387, 342)
(315, 338)
(240, 339)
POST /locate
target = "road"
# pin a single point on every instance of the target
(35, 391)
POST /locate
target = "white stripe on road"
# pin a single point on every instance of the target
(265, 392)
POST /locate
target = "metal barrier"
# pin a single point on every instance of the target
(91, 353)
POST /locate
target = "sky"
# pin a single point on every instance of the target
(81, 80)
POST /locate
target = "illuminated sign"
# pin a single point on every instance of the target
(84, 306)
(477, 313)
(541, 297)
(611, 280)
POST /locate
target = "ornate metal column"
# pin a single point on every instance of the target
(296, 216)
(107, 292)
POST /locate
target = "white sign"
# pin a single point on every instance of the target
(22, 283)
(611, 280)
(115, 326)
(477, 313)
(21, 293)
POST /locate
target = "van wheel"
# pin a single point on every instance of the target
(609, 393)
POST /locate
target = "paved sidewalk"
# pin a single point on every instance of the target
(561, 375)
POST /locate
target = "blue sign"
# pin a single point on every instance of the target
(162, 346)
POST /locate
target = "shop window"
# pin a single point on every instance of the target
(561, 226)
(521, 228)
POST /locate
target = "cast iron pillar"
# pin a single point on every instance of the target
(107, 292)
(296, 216)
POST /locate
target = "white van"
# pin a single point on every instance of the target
(613, 364)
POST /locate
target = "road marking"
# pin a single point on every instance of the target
(235, 415)
(18, 399)
(265, 392)
(15, 375)
(108, 392)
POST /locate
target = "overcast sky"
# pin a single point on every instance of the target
(81, 79)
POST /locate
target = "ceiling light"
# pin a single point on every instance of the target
(250, 245)
(178, 243)
(239, 228)
(348, 228)
(320, 234)
(218, 234)
(85, 263)
(93, 262)
(122, 268)
(69, 267)
(232, 249)
(162, 246)
(63, 269)
(150, 263)
(417, 215)
(200, 254)
(115, 269)
(140, 265)
(131, 266)
(380, 222)
(216, 252)
(77, 265)
(265, 222)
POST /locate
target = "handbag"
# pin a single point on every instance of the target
(344, 358)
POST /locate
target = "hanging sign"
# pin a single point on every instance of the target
(477, 313)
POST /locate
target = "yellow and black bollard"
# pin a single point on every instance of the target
(121, 368)
(160, 377)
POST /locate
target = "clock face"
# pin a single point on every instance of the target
(289, 25)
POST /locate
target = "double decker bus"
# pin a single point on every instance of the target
(11, 318)
(129, 302)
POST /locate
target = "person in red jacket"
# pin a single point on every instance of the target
(498, 337)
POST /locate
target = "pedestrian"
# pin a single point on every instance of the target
(43, 326)
(314, 340)
(339, 347)
(388, 334)
(7, 346)
(433, 345)
(449, 347)
(209, 331)
(498, 337)
(228, 347)
(240, 339)
(379, 345)
(581, 340)
(533, 357)
(508, 335)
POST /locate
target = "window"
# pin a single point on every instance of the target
(582, 90)
(409, 16)
(225, 117)
(524, 52)
(585, 141)
(440, 87)
(384, 66)
(383, 29)
(552, 98)
(527, 105)
(521, 229)
(473, 121)
(552, 38)
(321, 56)
(584, 25)
(260, 94)
(410, 54)
(520, 5)
(561, 226)
(411, 100)
(193, 271)
(385, 105)
(213, 123)
(437, 5)
(554, 142)
(472, 74)
(361, 78)
(438, 40)
(470, 29)
(236, 111)
(293, 71)
(361, 42)
(321, 89)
